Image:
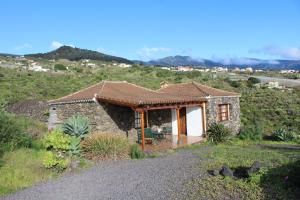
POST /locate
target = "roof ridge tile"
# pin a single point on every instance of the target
(75, 92)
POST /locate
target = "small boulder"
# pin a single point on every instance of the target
(255, 167)
(241, 172)
(226, 171)
(213, 172)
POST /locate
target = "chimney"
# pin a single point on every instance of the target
(164, 84)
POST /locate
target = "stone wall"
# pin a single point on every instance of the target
(103, 117)
(160, 118)
(234, 111)
(109, 118)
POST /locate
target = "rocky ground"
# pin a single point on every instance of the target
(34, 109)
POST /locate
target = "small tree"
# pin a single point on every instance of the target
(60, 67)
(252, 81)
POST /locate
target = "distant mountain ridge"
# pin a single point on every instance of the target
(7, 54)
(181, 60)
(230, 63)
(72, 53)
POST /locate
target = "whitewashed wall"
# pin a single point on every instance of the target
(174, 122)
(194, 122)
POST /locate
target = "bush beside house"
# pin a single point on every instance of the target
(105, 145)
(218, 133)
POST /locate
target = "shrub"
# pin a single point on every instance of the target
(76, 126)
(252, 81)
(283, 135)
(136, 152)
(57, 140)
(218, 133)
(60, 67)
(12, 134)
(53, 161)
(74, 148)
(105, 145)
(251, 133)
(235, 84)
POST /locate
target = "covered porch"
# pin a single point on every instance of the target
(186, 119)
(187, 125)
(171, 142)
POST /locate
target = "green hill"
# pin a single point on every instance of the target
(71, 53)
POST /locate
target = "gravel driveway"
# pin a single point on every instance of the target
(153, 178)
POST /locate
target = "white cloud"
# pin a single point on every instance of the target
(56, 45)
(289, 52)
(101, 50)
(243, 61)
(23, 47)
(149, 53)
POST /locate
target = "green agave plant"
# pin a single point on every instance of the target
(74, 148)
(76, 126)
(283, 135)
(218, 133)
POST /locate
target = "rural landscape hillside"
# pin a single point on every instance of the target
(150, 100)
(76, 54)
(231, 63)
(73, 53)
(24, 94)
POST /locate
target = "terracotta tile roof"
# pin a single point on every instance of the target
(196, 90)
(123, 93)
(86, 94)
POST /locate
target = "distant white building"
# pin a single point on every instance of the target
(91, 65)
(37, 68)
(184, 69)
(222, 69)
(249, 69)
(124, 65)
(274, 84)
(166, 68)
(287, 71)
(236, 69)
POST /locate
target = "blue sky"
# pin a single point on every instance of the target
(150, 29)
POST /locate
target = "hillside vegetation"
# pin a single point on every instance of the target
(71, 53)
(269, 108)
(24, 156)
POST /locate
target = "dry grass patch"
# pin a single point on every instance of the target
(106, 146)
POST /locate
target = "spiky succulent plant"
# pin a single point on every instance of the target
(76, 126)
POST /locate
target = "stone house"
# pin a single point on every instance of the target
(121, 107)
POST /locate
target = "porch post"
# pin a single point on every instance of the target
(203, 116)
(178, 124)
(142, 129)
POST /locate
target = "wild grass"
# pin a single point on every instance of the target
(269, 183)
(22, 168)
(105, 146)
